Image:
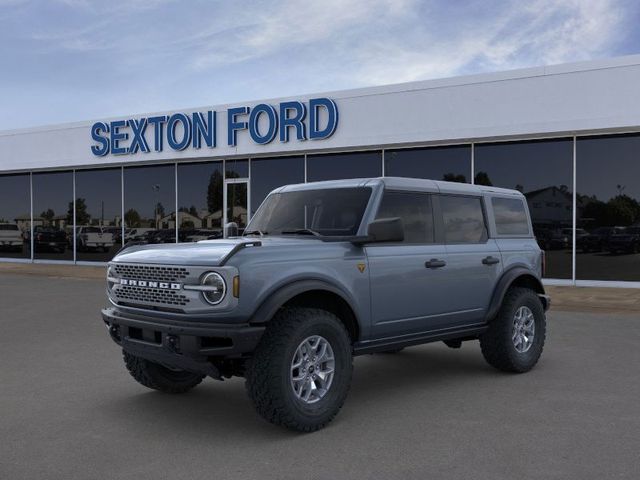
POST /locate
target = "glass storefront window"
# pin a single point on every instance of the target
(149, 204)
(237, 168)
(200, 191)
(15, 216)
(337, 166)
(608, 208)
(452, 164)
(98, 214)
(53, 215)
(543, 171)
(270, 173)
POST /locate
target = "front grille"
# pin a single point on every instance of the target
(148, 296)
(153, 273)
(131, 294)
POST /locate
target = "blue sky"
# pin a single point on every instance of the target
(70, 60)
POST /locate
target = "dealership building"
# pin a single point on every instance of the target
(566, 136)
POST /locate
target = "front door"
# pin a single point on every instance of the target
(236, 203)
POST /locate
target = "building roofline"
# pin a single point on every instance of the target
(506, 75)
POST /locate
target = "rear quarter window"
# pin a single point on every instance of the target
(510, 215)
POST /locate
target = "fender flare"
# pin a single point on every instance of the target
(507, 279)
(283, 294)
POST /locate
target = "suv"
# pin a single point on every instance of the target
(323, 272)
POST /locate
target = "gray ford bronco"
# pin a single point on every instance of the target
(325, 271)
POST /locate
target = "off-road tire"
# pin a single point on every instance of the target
(268, 372)
(157, 377)
(496, 343)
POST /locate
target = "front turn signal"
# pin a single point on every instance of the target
(236, 286)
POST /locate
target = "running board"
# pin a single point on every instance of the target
(379, 345)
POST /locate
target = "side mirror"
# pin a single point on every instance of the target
(386, 230)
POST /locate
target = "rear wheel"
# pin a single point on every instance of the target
(158, 377)
(300, 372)
(515, 338)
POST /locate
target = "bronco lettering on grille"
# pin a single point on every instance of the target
(151, 284)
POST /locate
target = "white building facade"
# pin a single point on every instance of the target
(567, 136)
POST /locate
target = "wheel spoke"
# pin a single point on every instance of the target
(312, 369)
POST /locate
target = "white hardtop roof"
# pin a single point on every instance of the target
(402, 183)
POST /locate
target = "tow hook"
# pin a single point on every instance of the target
(114, 331)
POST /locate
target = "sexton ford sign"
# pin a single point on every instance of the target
(313, 120)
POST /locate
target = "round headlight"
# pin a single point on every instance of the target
(110, 276)
(216, 288)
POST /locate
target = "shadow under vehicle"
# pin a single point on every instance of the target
(10, 237)
(627, 241)
(597, 240)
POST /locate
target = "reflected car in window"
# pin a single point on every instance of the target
(10, 237)
(94, 239)
(49, 238)
(597, 240)
(627, 241)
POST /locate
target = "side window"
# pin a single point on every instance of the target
(415, 211)
(510, 215)
(463, 219)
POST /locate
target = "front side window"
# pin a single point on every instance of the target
(510, 215)
(327, 212)
(463, 219)
(414, 209)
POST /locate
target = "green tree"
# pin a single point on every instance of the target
(214, 192)
(132, 218)
(82, 216)
(48, 215)
(482, 178)
(452, 177)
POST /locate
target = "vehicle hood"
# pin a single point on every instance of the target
(203, 253)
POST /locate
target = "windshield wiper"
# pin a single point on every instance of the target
(254, 232)
(301, 231)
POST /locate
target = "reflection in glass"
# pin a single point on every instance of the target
(98, 214)
(53, 215)
(463, 219)
(237, 168)
(149, 204)
(337, 166)
(15, 216)
(452, 164)
(237, 205)
(414, 209)
(200, 190)
(543, 171)
(608, 201)
(270, 173)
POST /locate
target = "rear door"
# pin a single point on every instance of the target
(474, 261)
(408, 294)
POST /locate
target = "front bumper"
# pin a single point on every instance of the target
(186, 345)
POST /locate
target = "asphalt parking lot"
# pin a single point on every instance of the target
(69, 410)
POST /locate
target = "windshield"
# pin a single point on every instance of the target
(327, 212)
(8, 226)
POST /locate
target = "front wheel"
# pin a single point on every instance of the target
(158, 377)
(515, 338)
(300, 372)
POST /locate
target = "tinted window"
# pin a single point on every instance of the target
(452, 164)
(463, 219)
(415, 211)
(335, 211)
(15, 216)
(270, 173)
(98, 214)
(237, 168)
(344, 165)
(543, 172)
(608, 199)
(53, 212)
(200, 190)
(510, 215)
(149, 204)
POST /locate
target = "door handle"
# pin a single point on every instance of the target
(490, 260)
(435, 263)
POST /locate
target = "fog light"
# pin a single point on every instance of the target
(216, 288)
